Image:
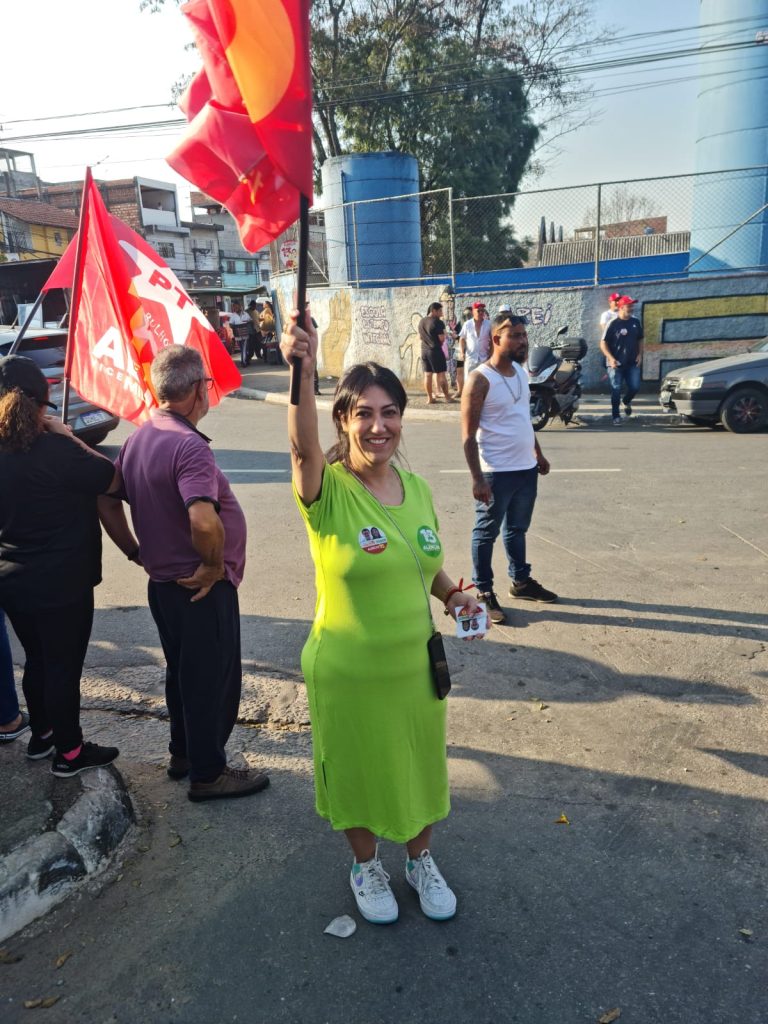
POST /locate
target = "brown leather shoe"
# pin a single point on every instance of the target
(178, 767)
(232, 782)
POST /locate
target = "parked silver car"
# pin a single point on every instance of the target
(732, 391)
(47, 346)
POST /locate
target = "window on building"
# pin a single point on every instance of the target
(57, 237)
(167, 250)
(265, 276)
(248, 266)
(231, 267)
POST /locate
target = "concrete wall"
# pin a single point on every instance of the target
(684, 321)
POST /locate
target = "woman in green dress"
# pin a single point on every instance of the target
(378, 727)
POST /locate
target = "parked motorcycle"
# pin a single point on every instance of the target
(555, 379)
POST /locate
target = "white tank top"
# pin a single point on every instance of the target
(505, 438)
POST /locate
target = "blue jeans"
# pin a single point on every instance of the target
(629, 376)
(514, 495)
(9, 704)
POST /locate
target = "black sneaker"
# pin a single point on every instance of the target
(38, 748)
(13, 734)
(492, 606)
(178, 767)
(531, 590)
(627, 409)
(91, 756)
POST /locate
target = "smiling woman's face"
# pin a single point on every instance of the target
(373, 427)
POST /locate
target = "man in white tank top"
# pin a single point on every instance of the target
(505, 461)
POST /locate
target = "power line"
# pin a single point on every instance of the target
(344, 83)
(435, 88)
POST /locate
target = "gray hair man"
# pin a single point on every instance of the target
(191, 533)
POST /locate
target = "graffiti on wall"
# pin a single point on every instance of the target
(537, 316)
(710, 311)
(337, 335)
(410, 351)
(372, 325)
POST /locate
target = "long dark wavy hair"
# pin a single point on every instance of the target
(352, 384)
(20, 423)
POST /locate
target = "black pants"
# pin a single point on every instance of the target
(203, 675)
(55, 641)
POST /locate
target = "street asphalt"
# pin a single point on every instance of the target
(608, 758)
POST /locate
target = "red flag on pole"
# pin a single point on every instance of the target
(127, 305)
(249, 144)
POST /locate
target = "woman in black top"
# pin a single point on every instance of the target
(50, 560)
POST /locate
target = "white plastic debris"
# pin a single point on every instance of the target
(342, 927)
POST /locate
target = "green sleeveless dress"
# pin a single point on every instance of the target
(378, 729)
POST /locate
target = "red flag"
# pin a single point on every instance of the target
(131, 305)
(249, 144)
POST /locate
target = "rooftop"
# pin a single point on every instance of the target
(33, 212)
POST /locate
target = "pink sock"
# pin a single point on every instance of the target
(72, 753)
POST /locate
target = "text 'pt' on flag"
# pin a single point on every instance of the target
(128, 304)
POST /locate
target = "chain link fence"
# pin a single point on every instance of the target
(658, 228)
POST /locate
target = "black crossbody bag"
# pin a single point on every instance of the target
(438, 662)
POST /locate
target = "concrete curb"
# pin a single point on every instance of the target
(452, 415)
(42, 871)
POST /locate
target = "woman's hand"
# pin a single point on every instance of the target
(298, 343)
(56, 426)
(464, 603)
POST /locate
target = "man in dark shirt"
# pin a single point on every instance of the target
(622, 346)
(432, 334)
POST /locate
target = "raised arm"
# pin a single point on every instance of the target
(307, 459)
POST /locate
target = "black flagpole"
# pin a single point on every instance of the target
(301, 290)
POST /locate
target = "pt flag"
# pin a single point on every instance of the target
(128, 304)
(249, 142)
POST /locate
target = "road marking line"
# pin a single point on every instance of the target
(729, 530)
(602, 470)
(574, 553)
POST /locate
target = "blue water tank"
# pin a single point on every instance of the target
(732, 113)
(372, 243)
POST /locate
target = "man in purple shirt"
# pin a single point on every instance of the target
(191, 533)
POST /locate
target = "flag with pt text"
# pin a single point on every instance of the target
(249, 142)
(130, 305)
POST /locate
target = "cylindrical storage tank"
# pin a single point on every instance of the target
(372, 243)
(732, 113)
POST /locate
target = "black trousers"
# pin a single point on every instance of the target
(55, 641)
(203, 675)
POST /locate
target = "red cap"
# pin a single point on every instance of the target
(615, 297)
(478, 305)
(627, 300)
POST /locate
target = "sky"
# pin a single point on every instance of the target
(79, 56)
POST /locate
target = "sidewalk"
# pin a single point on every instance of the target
(263, 383)
(55, 834)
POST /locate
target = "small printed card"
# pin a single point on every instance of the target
(468, 626)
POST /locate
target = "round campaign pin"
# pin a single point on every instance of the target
(429, 542)
(372, 540)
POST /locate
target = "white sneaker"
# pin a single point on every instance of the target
(370, 884)
(436, 898)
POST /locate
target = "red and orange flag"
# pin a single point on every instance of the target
(249, 143)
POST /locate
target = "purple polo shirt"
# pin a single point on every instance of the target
(167, 465)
